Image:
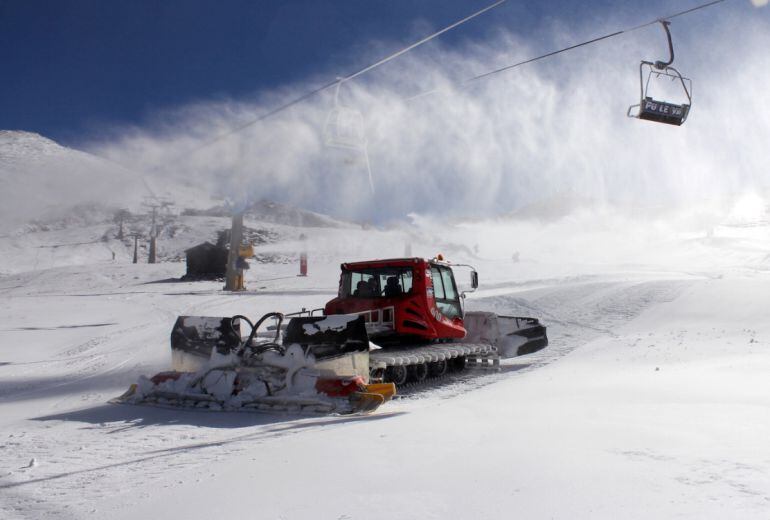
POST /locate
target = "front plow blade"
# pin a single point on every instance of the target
(511, 336)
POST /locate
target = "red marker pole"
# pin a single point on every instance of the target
(303, 256)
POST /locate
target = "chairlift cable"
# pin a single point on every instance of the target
(571, 47)
(594, 40)
(543, 56)
(424, 40)
(410, 47)
(264, 116)
(675, 15)
(338, 80)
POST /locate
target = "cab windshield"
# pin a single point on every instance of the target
(389, 282)
(445, 291)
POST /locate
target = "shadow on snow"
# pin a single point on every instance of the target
(119, 418)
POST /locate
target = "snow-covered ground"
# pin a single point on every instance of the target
(652, 400)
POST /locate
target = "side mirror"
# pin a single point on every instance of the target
(474, 279)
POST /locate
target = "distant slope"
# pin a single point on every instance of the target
(58, 207)
(42, 179)
(276, 213)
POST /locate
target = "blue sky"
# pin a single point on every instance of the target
(74, 68)
(145, 83)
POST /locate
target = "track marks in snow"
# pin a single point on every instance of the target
(574, 313)
(97, 359)
(101, 450)
(57, 327)
(748, 484)
(166, 452)
(589, 310)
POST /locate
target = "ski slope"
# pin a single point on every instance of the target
(652, 399)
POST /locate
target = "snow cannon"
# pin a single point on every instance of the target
(317, 364)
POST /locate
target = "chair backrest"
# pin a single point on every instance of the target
(344, 128)
(662, 112)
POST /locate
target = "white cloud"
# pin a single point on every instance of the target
(551, 131)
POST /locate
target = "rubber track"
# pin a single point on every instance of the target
(427, 353)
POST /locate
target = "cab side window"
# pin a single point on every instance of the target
(449, 284)
(438, 285)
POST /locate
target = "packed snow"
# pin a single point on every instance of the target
(644, 249)
(652, 399)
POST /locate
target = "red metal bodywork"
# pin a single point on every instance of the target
(340, 387)
(415, 314)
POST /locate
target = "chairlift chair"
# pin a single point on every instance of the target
(344, 128)
(658, 111)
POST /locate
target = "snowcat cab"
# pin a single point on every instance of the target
(658, 111)
(402, 298)
(414, 311)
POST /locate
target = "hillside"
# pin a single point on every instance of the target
(40, 179)
(59, 206)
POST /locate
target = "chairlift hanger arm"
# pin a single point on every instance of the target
(660, 65)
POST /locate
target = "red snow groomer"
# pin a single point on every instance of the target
(393, 322)
(414, 311)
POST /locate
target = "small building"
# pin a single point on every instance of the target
(206, 261)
